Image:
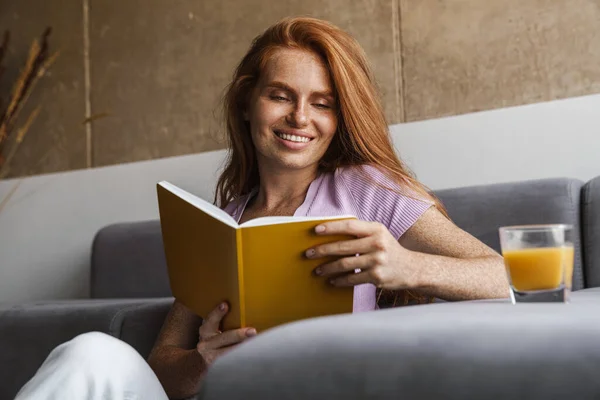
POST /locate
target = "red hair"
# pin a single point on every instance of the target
(362, 136)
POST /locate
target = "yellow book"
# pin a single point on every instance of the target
(258, 267)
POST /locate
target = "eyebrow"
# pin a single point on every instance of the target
(281, 85)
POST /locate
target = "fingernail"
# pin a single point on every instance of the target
(251, 332)
(320, 228)
(310, 252)
(318, 271)
(222, 307)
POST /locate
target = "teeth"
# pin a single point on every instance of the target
(293, 138)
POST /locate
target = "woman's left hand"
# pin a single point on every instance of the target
(381, 259)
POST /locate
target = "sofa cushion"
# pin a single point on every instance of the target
(461, 350)
(481, 210)
(128, 261)
(590, 221)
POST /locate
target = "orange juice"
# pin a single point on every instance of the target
(539, 268)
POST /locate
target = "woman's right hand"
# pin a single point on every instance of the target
(213, 343)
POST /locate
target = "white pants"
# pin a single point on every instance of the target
(93, 366)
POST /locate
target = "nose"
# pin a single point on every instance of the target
(298, 117)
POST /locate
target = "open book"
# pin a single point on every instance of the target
(259, 266)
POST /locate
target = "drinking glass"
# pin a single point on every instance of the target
(539, 261)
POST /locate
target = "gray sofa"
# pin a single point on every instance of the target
(456, 350)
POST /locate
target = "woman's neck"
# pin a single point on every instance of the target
(283, 190)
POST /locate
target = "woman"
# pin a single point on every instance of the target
(307, 136)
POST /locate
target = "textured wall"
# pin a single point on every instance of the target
(462, 56)
(157, 68)
(56, 140)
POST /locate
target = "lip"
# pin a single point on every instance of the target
(294, 132)
(292, 145)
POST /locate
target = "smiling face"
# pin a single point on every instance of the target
(292, 111)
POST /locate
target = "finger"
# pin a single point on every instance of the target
(356, 279)
(210, 325)
(353, 227)
(229, 338)
(345, 265)
(341, 248)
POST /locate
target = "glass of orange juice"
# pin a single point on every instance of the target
(539, 261)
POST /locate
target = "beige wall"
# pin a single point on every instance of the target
(158, 67)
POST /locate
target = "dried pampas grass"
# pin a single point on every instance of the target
(37, 64)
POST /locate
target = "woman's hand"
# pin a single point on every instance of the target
(381, 259)
(213, 343)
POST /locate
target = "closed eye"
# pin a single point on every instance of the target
(322, 106)
(279, 98)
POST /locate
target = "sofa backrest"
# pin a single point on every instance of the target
(128, 259)
(590, 228)
(481, 210)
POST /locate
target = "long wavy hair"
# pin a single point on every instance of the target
(362, 135)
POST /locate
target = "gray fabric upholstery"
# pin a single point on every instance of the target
(469, 350)
(590, 221)
(29, 332)
(481, 210)
(128, 261)
(140, 324)
(450, 350)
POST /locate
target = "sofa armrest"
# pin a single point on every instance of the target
(29, 332)
(451, 350)
(141, 323)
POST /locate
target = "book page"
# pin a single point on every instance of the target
(263, 221)
(202, 204)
